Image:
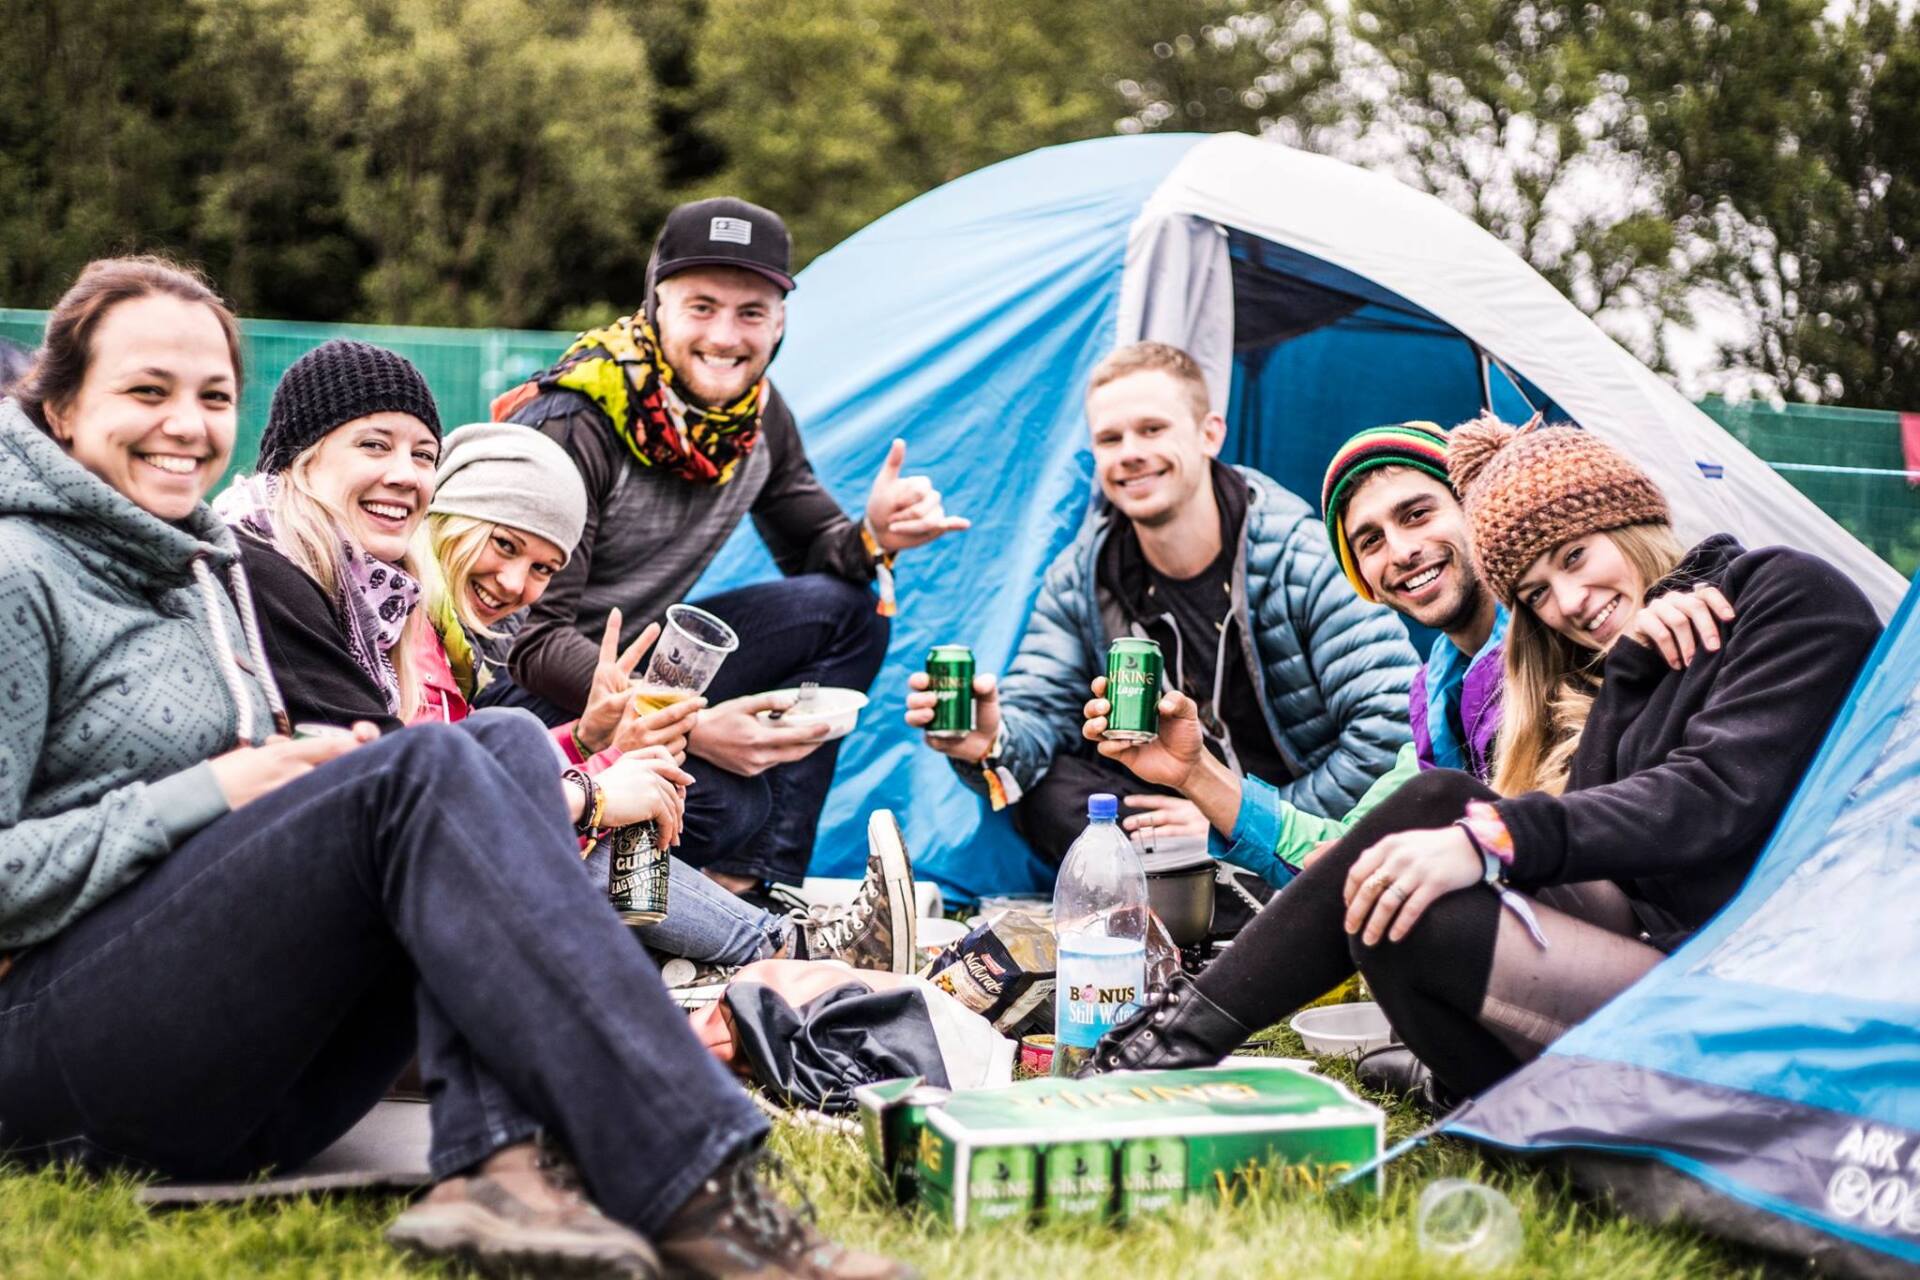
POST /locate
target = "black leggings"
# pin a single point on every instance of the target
(1431, 984)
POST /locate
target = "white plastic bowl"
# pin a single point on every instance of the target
(838, 709)
(1337, 1030)
(931, 937)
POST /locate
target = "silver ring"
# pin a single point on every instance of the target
(1393, 888)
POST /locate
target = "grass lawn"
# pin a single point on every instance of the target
(55, 1225)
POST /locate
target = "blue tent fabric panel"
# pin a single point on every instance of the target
(1777, 1055)
(965, 322)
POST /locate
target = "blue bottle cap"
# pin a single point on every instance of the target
(1102, 807)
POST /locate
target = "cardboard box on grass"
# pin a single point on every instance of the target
(1122, 1145)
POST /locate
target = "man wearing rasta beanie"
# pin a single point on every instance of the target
(679, 436)
(1401, 537)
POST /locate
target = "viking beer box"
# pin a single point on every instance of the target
(1120, 1145)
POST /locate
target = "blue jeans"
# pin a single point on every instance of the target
(243, 1003)
(810, 627)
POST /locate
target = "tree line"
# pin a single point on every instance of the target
(506, 163)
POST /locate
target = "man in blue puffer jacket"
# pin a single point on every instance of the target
(1299, 681)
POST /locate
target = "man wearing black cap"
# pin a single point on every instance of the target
(679, 436)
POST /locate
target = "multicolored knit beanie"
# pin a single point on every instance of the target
(1420, 445)
(1529, 489)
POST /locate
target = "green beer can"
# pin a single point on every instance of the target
(1134, 667)
(1153, 1175)
(1079, 1181)
(950, 677)
(1000, 1184)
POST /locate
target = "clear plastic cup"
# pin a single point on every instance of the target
(689, 652)
(1464, 1220)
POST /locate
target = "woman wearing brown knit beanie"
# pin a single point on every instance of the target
(1630, 800)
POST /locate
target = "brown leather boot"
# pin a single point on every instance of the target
(733, 1226)
(522, 1213)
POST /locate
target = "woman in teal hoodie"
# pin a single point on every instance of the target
(219, 945)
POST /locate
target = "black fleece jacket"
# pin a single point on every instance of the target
(1681, 776)
(307, 644)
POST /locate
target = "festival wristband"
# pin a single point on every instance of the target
(882, 569)
(1489, 831)
(1494, 871)
(593, 805)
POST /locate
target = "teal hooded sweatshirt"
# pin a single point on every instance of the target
(124, 668)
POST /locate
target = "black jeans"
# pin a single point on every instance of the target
(1053, 812)
(1431, 984)
(811, 627)
(243, 1003)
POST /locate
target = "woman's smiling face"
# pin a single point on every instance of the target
(376, 474)
(511, 572)
(1584, 589)
(156, 413)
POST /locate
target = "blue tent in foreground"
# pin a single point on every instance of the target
(1775, 1059)
(1321, 298)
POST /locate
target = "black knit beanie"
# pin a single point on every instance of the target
(334, 384)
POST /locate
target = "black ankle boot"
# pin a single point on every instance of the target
(1177, 1027)
(1392, 1069)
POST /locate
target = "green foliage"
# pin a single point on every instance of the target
(837, 111)
(506, 163)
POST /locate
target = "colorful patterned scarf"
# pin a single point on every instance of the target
(661, 427)
(371, 597)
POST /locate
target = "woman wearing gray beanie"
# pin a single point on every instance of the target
(508, 507)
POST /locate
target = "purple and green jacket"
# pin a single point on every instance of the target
(1271, 837)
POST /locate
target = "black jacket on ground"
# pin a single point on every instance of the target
(1681, 776)
(306, 642)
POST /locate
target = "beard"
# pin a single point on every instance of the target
(1473, 596)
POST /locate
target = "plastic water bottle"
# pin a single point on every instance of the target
(1100, 929)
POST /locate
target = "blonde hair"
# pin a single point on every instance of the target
(308, 532)
(452, 546)
(1160, 357)
(1550, 682)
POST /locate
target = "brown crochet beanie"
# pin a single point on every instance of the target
(1529, 489)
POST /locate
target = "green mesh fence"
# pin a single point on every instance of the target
(1849, 461)
(466, 368)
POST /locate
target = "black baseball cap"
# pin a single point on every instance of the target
(723, 232)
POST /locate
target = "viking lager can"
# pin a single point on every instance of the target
(1133, 690)
(950, 677)
(637, 874)
(1078, 1180)
(1153, 1175)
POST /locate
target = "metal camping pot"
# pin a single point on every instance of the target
(1180, 888)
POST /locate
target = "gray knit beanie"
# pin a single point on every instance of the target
(505, 473)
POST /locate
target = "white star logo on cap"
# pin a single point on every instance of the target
(731, 230)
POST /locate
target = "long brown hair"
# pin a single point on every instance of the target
(1550, 682)
(60, 366)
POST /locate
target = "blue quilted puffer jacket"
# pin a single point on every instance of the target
(1333, 671)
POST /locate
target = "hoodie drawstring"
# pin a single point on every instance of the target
(223, 647)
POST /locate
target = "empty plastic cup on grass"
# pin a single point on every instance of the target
(1464, 1220)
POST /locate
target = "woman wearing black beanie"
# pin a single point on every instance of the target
(326, 525)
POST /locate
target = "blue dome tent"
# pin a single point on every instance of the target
(1321, 298)
(1765, 1081)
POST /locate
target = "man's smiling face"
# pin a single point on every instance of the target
(718, 327)
(1152, 444)
(1409, 539)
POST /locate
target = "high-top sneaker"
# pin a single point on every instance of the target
(876, 929)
